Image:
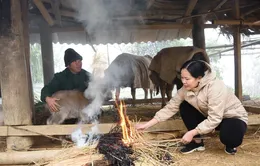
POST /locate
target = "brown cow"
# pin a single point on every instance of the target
(166, 64)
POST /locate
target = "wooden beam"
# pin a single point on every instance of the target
(44, 12)
(68, 129)
(43, 157)
(230, 49)
(220, 5)
(13, 158)
(235, 22)
(253, 120)
(55, 4)
(41, 130)
(250, 11)
(203, 14)
(190, 7)
(252, 109)
(237, 51)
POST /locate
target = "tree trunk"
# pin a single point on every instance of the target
(14, 77)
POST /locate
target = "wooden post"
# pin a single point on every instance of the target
(198, 31)
(47, 52)
(237, 52)
(14, 77)
(24, 7)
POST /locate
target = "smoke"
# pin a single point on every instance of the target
(88, 139)
(97, 14)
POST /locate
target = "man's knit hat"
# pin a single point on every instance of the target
(71, 56)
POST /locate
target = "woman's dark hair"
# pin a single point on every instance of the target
(195, 67)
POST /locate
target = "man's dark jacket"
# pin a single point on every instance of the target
(66, 80)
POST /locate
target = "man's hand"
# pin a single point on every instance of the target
(53, 105)
(187, 138)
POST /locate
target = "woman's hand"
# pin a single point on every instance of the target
(141, 126)
(144, 126)
(187, 138)
(53, 105)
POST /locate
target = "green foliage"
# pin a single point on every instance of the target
(36, 63)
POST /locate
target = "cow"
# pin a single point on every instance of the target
(71, 105)
(165, 68)
(129, 70)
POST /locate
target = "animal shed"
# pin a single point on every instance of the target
(48, 21)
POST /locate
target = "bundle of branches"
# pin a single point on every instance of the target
(115, 151)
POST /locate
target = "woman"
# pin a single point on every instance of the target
(205, 104)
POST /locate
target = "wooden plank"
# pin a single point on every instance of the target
(253, 120)
(44, 12)
(52, 129)
(252, 109)
(169, 125)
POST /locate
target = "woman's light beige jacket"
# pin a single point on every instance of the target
(212, 98)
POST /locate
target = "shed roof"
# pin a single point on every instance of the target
(127, 21)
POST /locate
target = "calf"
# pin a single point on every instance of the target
(71, 103)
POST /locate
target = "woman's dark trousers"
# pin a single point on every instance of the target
(231, 130)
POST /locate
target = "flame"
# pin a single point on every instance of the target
(125, 124)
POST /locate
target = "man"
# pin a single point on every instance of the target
(73, 77)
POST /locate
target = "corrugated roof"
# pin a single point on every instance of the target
(155, 15)
(112, 37)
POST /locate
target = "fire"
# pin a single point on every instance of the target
(125, 124)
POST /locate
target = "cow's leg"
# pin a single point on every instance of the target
(151, 96)
(57, 118)
(145, 93)
(133, 95)
(169, 89)
(163, 90)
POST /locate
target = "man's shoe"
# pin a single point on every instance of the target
(231, 151)
(192, 147)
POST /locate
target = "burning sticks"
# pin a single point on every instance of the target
(124, 145)
(116, 145)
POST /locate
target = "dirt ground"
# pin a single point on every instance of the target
(214, 155)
